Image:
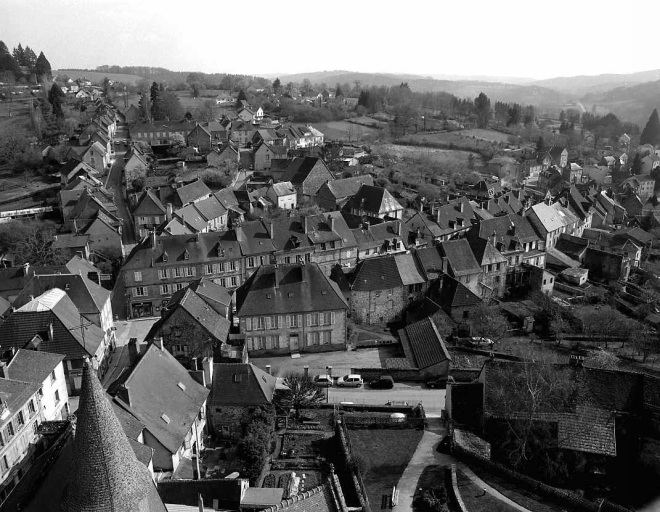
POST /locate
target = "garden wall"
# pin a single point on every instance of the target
(562, 496)
(398, 374)
(360, 488)
(454, 495)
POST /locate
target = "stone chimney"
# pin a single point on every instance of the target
(268, 369)
(133, 352)
(277, 277)
(444, 264)
(153, 240)
(207, 366)
(159, 342)
(331, 222)
(169, 213)
(398, 228)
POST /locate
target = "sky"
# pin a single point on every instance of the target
(506, 38)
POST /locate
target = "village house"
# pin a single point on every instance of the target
(136, 165)
(642, 185)
(380, 289)
(493, 268)
(374, 202)
(269, 155)
(334, 194)
(161, 394)
(607, 211)
(455, 299)
(283, 195)
(218, 157)
(379, 239)
(159, 266)
(453, 219)
(241, 132)
(295, 308)
(290, 240)
(160, 134)
(425, 349)
(461, 263)
(237, 391)
(550, 221)
(306, 174)
(148, 214)
(191, 326)
(256, 245)
(333, 241)
(52, 323)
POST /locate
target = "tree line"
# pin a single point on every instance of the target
(23, 64)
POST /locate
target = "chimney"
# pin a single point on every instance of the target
(26, 269)
(269, 228)
(207, 366)
(133, 352)
(362, 202)
(461, 207)
(4, 373)
(169, 213)
(398, 228)
(331, 222)
(153, 240)
(444, 264)
(268, 369)
(306, 372)
(437, 216)
(277, 276)
(194, 364)
(159, 342)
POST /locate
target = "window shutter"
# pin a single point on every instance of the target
(280, 322)
(332, 318)
(248, 324)
(288, 320)
(309, 319)
(267, 322)
(249, 344)
(280, 343)
(300, 320)
(309, 339)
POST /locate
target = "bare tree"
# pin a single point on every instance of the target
(301, 393)
(488, 322)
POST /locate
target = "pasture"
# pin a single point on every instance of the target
(345, 131)
(97, 77)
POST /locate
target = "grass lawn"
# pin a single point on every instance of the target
(489, 135)
(476, 501)
(386, 454)
(339, 130)
(97, 76)
(432, 479)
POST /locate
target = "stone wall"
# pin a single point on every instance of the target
(377, 307)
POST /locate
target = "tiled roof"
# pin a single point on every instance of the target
(241, 384)
(372, 199)
(300, 288)
(37, 317)
(154, 391)
(191, 218)
(227, 197)
(377, 273)
(88, 297)
(319, 499)
(485, 253)
(105, 474)
(149, 204)
(254, 238)
(192, 192)
(288, 233)
(284, 188)
(213, 294)
(508, 230)
(319, 229)
(423, 221)
(32, 365)
(460, 258)
(348, 187)
(70, 241)
(299, 168)
(430, 259)
(409, 269)
(458, 211)
(553, 217)
(368, 235)
(423, 344)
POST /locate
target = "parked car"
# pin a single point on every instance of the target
(382, 382)
(440, 383)
(479, 341)
(351, 380)
(323, 381)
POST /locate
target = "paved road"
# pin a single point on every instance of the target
(433, 400)
(113, 183)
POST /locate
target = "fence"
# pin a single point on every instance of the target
(361, 489)
(382, 421)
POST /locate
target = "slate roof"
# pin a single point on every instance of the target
(377, 200)
(485, 253)
(347, 187)
(384, 272)
(105, 474)
(299, 168)
(254, 238)
(509, 230)
(410, 271)
(191, 218)
(70, 241)
(32, 366)
(319, 229)
(422, 221)
(457, 211)
(212, 293)
(300, 288)
(553, 217)
(423, 344)
(460, 258)
(153, 391)
(88, 297)
(430, 259)
(227, 198)
(456, 295)
(241, 384)
(288, 233)
(149, 204)
(192, 192)
(377, 234)
(318, 499)
(54, 308)
(283, 188)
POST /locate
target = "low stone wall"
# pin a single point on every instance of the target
(360, 488)
(454, 494)
(398, 374)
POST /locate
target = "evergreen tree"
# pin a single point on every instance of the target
(145, 107)
(55, 97)
(636, 166)
(277, 85)
(156, 105)
(30, 58)
(3, 48)
(19, 54)
(651, 132)
(338, 91)
(482, 109)
(540, 145)
(42, 67)
(241, 97)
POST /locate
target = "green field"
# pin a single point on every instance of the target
(97, 77)
(340, 130)
(488, 135)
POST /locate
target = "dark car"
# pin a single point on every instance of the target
(382, 382)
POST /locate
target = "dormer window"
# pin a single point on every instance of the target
(186, 255)
(165, 257)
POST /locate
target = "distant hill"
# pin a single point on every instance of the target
(581, 85)
(496, 91)
(634, 103)
(97, 77)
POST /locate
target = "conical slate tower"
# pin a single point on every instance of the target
(106, 476)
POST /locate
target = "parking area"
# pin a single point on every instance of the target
(341, 361)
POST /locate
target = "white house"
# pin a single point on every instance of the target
(283, 195)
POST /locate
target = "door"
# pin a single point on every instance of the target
(293, 343)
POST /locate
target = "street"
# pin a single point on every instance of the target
(113, 183)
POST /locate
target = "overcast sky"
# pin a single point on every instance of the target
(519, 38)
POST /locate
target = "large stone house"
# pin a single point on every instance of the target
(283, 309)
(307, 175)
(334, 194)
(374, 202)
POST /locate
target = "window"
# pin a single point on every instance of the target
(250, 262)
(312, 319)
(137, 276)
(178, 272)
(31, 408)
(209, 269)
(186, 256)
(287, 259)
(191, 271)
(325, 337)
(328, 318)
(308, 257)
(165, 258)
(179, 286)
(164, 289)
(57, 396)
(21, 419)
(221, 281)
(232, 265)
(312, 338)
(140, 291)
(261, 323)
(5, 464)
(323, 246)
(294, 321)
(52, 376)
(9, 431)
(234, 281)
(162, 273)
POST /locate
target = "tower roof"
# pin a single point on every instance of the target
(105, 476)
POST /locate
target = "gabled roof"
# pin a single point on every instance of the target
(149, 204)
(52, 308)
(105, 474)
(456, 295)
(553, 217)
(374, 274)
(191, 218)
(156, 396)
(485, 253)
(284, 289)
(210, 208)
(241, 384)
(212, 293)
(423, 221)
(368, 234)
(372, 199)
(347, 187)
(283, 188)
(318, 499)
(288, 233)
(423, 344)
(192, 192)
(327, 227)
(430, 259)
(15, 394)
(299, 168)
(455, 215)
(410, 271)
(88, 297)
(254, 238)
(70, 241)
(460, 258)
